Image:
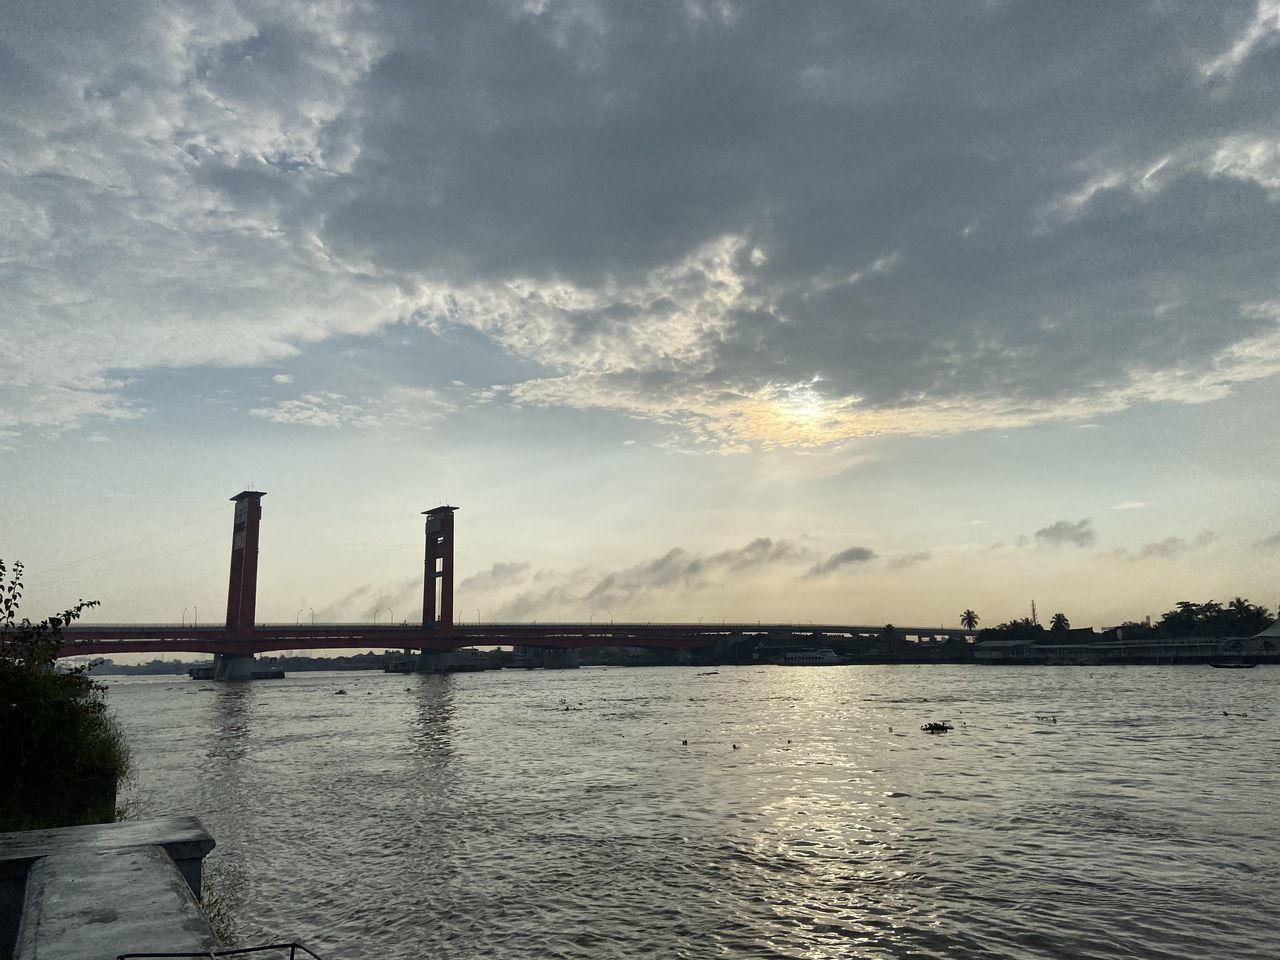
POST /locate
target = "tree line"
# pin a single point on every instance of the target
(1236, 618)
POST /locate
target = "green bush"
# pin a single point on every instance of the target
(61, 752)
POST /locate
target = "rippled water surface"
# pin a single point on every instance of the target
(476, 816)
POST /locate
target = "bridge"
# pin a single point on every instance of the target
(237, 642)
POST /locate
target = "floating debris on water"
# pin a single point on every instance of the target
(942, 727)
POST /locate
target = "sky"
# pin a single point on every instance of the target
(825, 312)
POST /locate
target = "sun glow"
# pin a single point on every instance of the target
(803, 402)
(795, 415)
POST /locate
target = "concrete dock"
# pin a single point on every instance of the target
(94, 892)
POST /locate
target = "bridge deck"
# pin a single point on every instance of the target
(95, 639)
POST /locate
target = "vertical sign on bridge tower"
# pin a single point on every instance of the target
(437, 588)
(242, 591)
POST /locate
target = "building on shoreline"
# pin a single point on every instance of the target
(1113, 647)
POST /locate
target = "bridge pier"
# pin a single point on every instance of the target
(555, 659)
(233, 666)
(435, 661)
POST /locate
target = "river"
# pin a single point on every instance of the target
(1073, 812)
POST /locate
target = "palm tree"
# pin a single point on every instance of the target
(969, 620)
(1244, 618)
(1059, 623)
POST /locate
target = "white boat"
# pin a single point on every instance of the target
(811, 657)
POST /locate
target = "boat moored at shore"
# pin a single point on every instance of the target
(811, 657)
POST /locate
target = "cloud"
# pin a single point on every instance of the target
(680, 569)
(583, 592)
(500, 575)
(904, 560)
(398, 604)
(753, 228)
(1170, 548)
(1262, 30)
(401, 406)
(1077, 532)
(1129, 505)
(342, 608)
(557, 601)
(846, 557)
(283, 378)
(1268, 543)
(317, 410)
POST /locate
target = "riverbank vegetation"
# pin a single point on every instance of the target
(1236, 618)
(61, 752)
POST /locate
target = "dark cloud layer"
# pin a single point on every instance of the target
(1079, 533)
(679, 569)
(847, 557)
(762, 222)
(1169, 548)
(676, 570)
(501, 574)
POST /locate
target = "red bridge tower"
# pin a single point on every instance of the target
(242, 591)
(437, 587)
